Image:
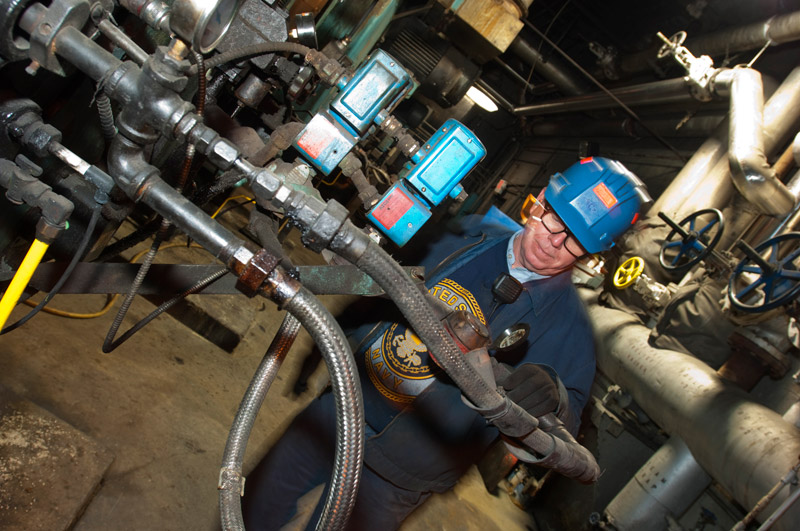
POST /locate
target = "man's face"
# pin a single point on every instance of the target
(541, 250)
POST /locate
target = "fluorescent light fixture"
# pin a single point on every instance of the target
(481, 99)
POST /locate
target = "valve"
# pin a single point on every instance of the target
(694, 244)
(628, 272)
(768, 276)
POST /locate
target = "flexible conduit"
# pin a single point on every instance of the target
(230, 498)
(564, 455)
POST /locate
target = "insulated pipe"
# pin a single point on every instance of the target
(775, 30)
(659, 92)
(549, 69)
(744, 446)
(666, 485)
(704, 181)
(752, 174)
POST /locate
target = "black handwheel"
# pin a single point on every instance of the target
(768, 276)
(694, 243)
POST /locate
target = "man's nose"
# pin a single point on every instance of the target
(557, 239)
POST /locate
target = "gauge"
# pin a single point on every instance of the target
(511, 337)
(202, 23)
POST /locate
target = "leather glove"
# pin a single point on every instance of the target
(531, 388)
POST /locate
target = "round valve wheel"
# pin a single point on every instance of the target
(693, 243)
(675, 41)
(628, 272)
(768, 277)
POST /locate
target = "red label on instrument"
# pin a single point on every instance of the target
(317, 137)
(393, 208)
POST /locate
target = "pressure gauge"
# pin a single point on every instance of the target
(202, 23)
(512, 337)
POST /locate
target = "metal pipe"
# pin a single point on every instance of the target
(697, 126)
(704, 182)
(84, 53)
(550, 69)
(775, 30)
(752, 174)
(659, 92)
(666, 485)
(125, 43)
(743, 445)
(780, 511)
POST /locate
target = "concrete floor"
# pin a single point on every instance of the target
(161, 406)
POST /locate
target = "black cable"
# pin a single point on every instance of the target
(84, 243)
(210, 279)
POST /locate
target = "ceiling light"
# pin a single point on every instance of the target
(481, 99)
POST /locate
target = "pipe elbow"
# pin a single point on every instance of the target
(128, 166)
(750, 171)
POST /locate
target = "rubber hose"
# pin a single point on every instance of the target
(567, 456)
(82, 246)
(330, 339)
(233, 456)
(252, 51)
(106, 114)
(411, 301)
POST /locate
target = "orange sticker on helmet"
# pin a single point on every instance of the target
(604, 194)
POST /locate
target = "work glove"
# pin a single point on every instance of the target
(531, 387)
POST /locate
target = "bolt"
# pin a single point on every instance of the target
(424, 189)
(410, 226)
(32, 68)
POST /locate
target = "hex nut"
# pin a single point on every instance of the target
(222, 154)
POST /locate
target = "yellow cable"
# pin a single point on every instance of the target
(230, 199)
(21, 279)
(111, 299)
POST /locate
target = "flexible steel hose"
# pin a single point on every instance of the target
(331, 341)
(229, 498)
(106, 114)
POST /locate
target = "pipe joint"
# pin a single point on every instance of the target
(128, 166)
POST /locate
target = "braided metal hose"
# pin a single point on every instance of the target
(233, 456)
(331, 341)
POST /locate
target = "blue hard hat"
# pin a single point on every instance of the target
(598, 199)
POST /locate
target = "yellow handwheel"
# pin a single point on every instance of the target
(628, 272)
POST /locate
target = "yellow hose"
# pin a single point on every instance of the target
(21, 279)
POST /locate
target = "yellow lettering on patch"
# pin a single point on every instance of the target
(452, 300)
(376, 353)
(397, 382)
(379, 366)
(435, 290)
(445, 295)
(385, 373)
(462, 306)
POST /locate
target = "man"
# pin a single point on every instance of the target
(420, 435)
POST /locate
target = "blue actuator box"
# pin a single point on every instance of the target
(438, 168)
